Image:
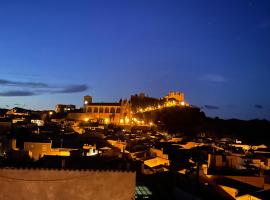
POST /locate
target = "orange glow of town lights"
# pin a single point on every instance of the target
(182, 103)
(127, 120)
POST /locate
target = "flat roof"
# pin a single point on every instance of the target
(105, 104)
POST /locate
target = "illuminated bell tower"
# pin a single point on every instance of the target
(86, 101)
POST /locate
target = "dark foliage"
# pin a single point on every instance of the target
(142, 101)
(191, 121)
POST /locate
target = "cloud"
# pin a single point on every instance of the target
(213, 78)
(15, 93)
(258, 106)
(37, 88)
(3, 82)
(72, 89)
(23, 84)
(211, 107)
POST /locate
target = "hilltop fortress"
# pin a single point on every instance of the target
(120, 112)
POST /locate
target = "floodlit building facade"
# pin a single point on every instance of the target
(107, 113)
(177, 96)
(39, 149)
(225, 161)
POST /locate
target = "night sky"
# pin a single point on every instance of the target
(216, 52)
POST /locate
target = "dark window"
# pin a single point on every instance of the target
(118, 110)
(101, 110)
(112, 110)
(106, 110)
(89, 110)
(96, 110)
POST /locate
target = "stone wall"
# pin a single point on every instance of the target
(41, 184)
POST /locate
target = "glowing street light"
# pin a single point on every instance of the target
(86, 102)
(86, 119)
(182, 103)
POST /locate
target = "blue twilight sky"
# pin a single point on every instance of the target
(216, 51)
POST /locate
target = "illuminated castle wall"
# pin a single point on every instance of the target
(178, 96)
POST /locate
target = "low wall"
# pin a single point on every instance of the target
(41, 184)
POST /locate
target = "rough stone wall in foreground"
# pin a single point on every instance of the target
(41, 184)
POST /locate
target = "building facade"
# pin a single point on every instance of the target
(18, 112)
(107, 113)
(39, 149)
(60, 108)
(175, 98)
(178, 96)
